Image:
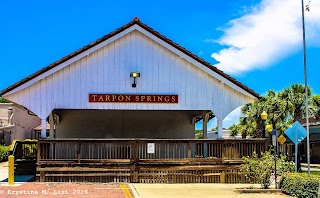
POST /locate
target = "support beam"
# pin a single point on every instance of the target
(205, 118)
(43, 128)
(219, 125)
(51, 120)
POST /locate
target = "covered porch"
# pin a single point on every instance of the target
(104, 123)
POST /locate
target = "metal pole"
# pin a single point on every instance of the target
(306, 85)
(264, 129)
(275, 165)
(274, 144)
(296, 150)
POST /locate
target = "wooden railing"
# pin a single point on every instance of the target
(136, 151)
(144, 160)
(23, 149)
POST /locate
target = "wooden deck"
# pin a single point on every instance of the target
(128, 160)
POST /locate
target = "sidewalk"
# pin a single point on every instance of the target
(196, 190)
(3, 171)
(311, 165)
(4, 174)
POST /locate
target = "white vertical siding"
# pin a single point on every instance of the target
(107, 70)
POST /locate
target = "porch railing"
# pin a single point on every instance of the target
(23, 149)
(136, 151)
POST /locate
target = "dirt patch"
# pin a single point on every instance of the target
(58, 190)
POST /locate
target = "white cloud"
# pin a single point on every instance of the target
(271, 31)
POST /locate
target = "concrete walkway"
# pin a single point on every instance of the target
(17, 178)
(196, 190)
(313, 167)
(3, 171)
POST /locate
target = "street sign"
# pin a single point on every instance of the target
(296, 133)
(281, 139)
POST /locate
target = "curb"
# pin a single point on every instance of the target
(258, 190)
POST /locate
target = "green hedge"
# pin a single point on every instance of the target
(300, 185)
(4, 153)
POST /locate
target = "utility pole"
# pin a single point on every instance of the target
(306, 84)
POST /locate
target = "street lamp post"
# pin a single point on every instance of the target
(274, 143)
(264, 117)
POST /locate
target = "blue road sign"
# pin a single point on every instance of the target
(296, 132)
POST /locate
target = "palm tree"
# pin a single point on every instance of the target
(283, 109)
(315, 101)
(247, 126)
(252, 114)
(278, 110)
(295, 96)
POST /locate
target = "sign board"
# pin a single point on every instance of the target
(132, 98)
(296, 133)
(151, 148)
(281, 139)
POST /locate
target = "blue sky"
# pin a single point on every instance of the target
(257, 42)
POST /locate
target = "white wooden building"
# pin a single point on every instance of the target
(188, 88)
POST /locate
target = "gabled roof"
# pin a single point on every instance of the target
(119, 30)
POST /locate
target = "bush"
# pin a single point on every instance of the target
(4, 153)
(29, 150)
(259, 170)
(300, 185)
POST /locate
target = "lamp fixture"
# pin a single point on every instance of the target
(264, 116)
(134, 75)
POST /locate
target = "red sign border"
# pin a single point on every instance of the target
(133, 98)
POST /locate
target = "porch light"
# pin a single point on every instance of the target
(134, 75)
(264, 116)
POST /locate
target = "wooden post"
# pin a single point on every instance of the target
(135, 156)
(79, 152)
(205, 118)
(135, 177)
(39, 152)
(135, 151)
(42, 176)
(51, 120)
(223, 177)
(223, 150)
(189, 152)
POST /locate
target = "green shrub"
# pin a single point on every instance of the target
(29, 150)
(300, 185)
(259, 170)
(4, 153)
